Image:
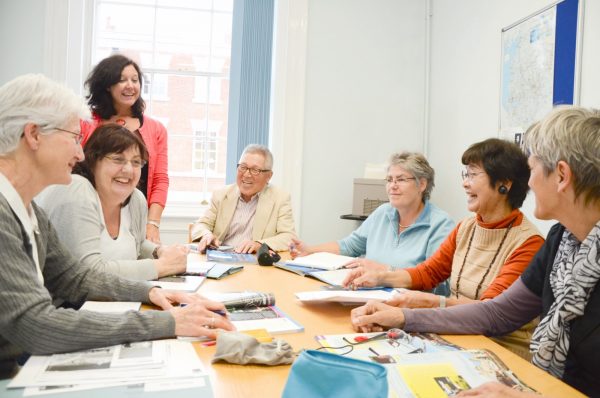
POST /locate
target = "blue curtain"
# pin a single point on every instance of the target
(250, 81)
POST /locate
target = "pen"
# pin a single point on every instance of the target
(193, 247)
(373, 351)
(209, 343)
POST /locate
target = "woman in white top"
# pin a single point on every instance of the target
(101, 216)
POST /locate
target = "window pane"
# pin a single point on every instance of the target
(183, 48)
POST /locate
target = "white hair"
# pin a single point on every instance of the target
(261, 150)
(33, 98)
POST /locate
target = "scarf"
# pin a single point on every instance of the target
(574, 275)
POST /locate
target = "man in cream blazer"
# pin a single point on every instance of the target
(251, 212)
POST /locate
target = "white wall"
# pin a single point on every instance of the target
(22, 25)
(465, 83)
(364, 100)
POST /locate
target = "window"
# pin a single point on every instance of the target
(206, 143)
(184, 50)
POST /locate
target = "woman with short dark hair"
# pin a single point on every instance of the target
(115, 86)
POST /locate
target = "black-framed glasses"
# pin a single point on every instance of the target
(78, 135)
(398, 180)
(242, 168)
(468, 175)
(121, 161)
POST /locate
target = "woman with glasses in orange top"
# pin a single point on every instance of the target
(101, 214)
(485, 253)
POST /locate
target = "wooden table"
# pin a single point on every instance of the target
(327, 318)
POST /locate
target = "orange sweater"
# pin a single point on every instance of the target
(438, 267)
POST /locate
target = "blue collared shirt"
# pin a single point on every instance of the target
(378, 238)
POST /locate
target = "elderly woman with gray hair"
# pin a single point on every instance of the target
(401, 233)
(40, 143)
(560, 284)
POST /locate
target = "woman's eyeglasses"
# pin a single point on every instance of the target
(77, 135)
(121, 161)
(468, 175)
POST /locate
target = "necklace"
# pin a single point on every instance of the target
(403, 226)
(462, 267)
(121, 122)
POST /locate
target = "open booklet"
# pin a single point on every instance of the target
(255, 310)
(424, 364)
(321, 260)
(210, 269)
(333, 278)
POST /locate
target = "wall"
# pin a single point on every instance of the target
(365, 67)
(465, 83)
(22, 31)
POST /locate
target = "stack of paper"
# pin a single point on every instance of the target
(158, 365)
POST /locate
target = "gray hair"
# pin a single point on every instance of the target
(416, 164)
(261, 150)
(35, 99)
(570, 134)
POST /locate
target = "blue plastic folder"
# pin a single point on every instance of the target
(229, 257)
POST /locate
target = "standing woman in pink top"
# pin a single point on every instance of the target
(114, 97)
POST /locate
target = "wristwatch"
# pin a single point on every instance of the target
(155, 252)
(442, 301)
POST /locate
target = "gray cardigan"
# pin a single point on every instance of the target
(28, 320)
(75, 212)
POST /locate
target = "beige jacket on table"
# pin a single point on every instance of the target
(273, 220)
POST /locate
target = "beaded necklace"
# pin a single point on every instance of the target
(462, 267)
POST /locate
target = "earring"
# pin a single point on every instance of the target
(503, 190)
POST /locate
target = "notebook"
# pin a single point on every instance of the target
(322, 260)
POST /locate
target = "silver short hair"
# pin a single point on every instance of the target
(417, 165)
(33, 98)
(261, 150)
(570, 134)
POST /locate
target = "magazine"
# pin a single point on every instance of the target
(424, 365)
(255, 310)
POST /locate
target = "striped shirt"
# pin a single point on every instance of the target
(242, 222)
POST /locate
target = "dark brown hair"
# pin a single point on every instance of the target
(502, 161)
(105, 75)
(106, 139)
